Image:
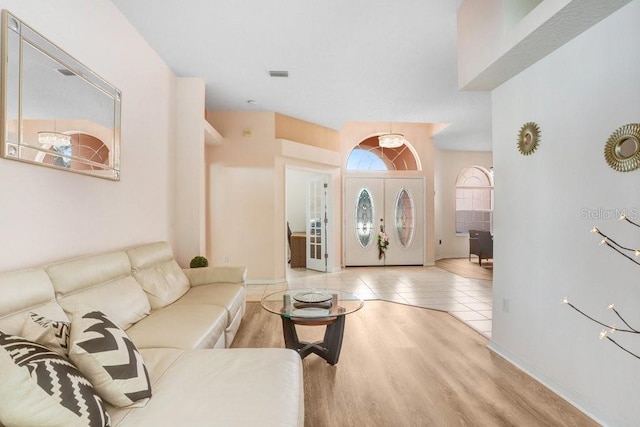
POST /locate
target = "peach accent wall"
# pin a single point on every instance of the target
(293, 129)
(232, 124)
(49, 214)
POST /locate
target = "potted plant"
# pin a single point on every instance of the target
(199, 261)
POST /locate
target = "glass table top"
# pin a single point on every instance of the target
(312, 303)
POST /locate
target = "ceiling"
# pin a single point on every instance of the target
(348, 61)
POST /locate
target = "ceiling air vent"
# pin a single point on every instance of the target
(276, 73)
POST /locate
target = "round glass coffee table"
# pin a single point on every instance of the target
(316, 307)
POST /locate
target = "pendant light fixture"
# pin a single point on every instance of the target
(391, 140)
(54, 139)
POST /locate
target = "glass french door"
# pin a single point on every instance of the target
(393, 206)
(317, 223)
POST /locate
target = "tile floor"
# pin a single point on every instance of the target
(470, 300)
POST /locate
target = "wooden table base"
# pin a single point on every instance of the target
(328, 348)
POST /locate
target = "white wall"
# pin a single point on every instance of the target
(190, 171)
(48, 214)
(515, 10)
(546, 204)
(296, 188)
(489, 53)
(448, 165)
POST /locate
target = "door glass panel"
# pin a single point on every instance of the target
(405, 218)
(364, 218)
(316, 190)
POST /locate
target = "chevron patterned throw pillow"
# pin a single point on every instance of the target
(52, 334)
(105, 354)
(38, 387)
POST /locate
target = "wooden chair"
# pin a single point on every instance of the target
(481, 245)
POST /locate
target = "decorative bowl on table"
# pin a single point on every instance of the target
(311, 297)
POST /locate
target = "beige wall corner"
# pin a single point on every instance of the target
(190, 180)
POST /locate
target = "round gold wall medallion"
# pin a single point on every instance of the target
(528, 138)
(622, 150)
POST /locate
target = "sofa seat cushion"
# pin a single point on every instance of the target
(220, 387)
(231, 296)
(180, 326)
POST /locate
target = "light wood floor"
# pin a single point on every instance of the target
(410, 366)
(469, 269)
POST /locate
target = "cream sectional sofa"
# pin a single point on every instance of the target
(182, 322)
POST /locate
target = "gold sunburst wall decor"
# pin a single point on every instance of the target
(528, 138)
(622, 150)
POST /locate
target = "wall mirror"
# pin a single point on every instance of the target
(528, 138)
(622, 150)
(57, 112)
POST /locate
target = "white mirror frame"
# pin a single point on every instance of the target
(80, 112)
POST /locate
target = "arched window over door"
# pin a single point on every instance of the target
(474, 204)
(369, 156)
(93, 152)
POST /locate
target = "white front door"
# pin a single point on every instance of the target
(317, 221)
(364, 214)
(392, 205)
(404, 221)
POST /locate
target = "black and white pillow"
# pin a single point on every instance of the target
(52, 334)
(38, 387)
(105, 354)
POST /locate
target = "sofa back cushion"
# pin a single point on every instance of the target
(103, 282)
(158, 273)
(24, 291)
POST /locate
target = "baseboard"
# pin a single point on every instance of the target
(571, 396)
(265, 281)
